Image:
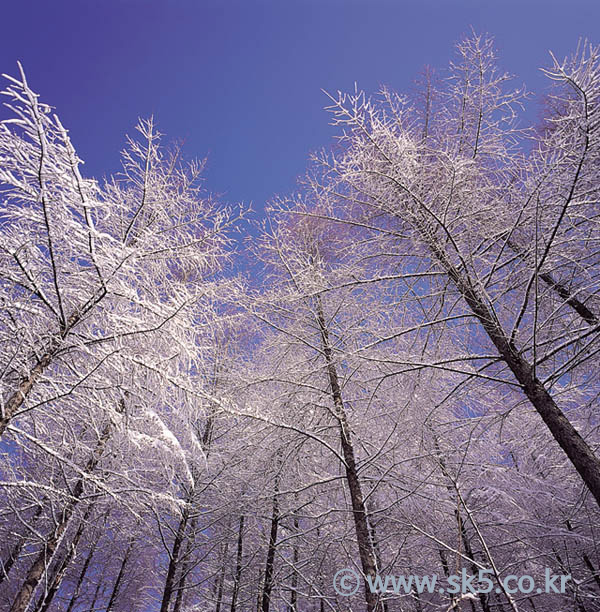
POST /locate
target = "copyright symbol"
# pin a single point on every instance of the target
(346, 582)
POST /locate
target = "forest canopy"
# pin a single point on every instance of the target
(392, 372)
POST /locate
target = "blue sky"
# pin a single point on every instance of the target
(241, 81)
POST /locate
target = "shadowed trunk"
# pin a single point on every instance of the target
(174, 559)
(270, 564)
(43, 560)
(16, 549)
(576, 448)
(238, 565)
(588, 563)
(82, 575)
(46, 599)
(365, 546)
(119, 580)
(483, 597)
(221, 579)
(295, 556)
(185, 567)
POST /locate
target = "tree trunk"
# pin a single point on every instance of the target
(483, 597)
(115, 591)
(206, 442)
(16, 550)
(46, 599)
(259, 594)
(81, 577)
(44, 558)
(417, 597)
(185, 566)
(365, 546)
(270, 564)
(587, 561)
(174, 559)
(180, 538)
(576, 448)
(295, 556)
(221, 579)
(377, 551)
(96, 594)
(455, 604)
(238, 565)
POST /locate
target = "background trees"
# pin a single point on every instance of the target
(410, 387)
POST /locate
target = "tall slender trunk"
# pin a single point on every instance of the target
(566, 571)
(174, 559)
(588, 563)
(119, 580)
(377, 550)
(82, 574)
(45, 600)
(206, 442)
(270, 563)
(498, 605)
(185, 566)
(16, 549)
(455, 604)
(96, 594)
(483, 597)
(365, 546)
(259, 593)
(221, 578)
(295, 556)
(43, 560)
(576, 448)
(417, 597)
(238, 565)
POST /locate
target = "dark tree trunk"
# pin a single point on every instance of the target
(46, 599)
(295, 556)
(119, 580)
(221, 579)
(455, 602)
(365, 546)
(561, 290)
(96, 594)
(174, 559)
(16, 549)
(43, 560)
(238, 565)
(259, 594)
(483, 597)
(185, 566)
(587, 561)
(576, 448)
(81, 577)
(377, 551)
(270, 564)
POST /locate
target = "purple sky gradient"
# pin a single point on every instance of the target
(241, 81)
